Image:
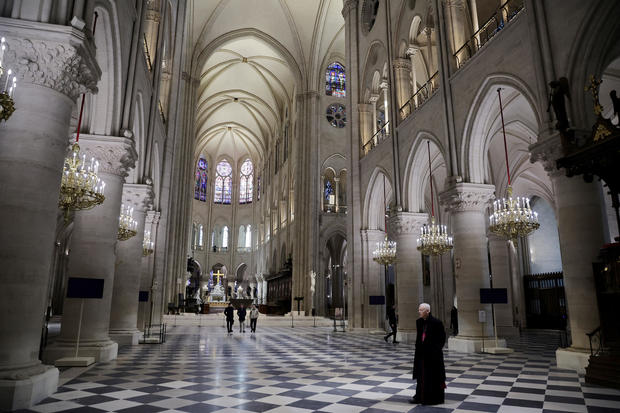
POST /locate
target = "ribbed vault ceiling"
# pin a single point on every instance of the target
(273, 49)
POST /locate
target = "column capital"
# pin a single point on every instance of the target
(58, 57)
(364, 107)
(456, 4)
(412, 50)
(116, 154)
(152, 217)
(308, 94)
(373, 98)
(348, 6)
(404, 223)
(467, 197)
(547, 150)
(139, 196)
(402, 64)
(384, 84)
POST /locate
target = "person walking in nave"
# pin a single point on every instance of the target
(229, 312)
(428, 365)
(393, 320)
(253, 318)
(241, 312)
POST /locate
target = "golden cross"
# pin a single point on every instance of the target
(218, 274)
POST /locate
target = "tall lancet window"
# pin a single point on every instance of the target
(225, 238)
(223, 183)
(200, 186)
(246, 182)
(335, 80)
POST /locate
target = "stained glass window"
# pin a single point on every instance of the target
(258, 188)
(223, 183)
(336, 115)
(246, 182)
(329, 190)
(200, 186)
(335, 80)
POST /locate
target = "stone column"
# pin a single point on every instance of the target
(33, 144)
(337, 191)
(406, 228)
(402, 70)
(124, 313)
(467, 204)
(147, 282)
(373, 283)
(501, 272)
(412, 51)
(455, 14)
(93, 253)
(386, 106)
(373, 101)
(366, 117)
(580, 227)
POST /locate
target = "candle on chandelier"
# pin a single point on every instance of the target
(6, 82)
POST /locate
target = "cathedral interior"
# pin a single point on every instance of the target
(325, 161)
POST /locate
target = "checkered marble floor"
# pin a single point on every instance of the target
(307, 369)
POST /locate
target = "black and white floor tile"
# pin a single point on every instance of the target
(309, 369)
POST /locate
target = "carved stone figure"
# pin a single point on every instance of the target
(559, 89)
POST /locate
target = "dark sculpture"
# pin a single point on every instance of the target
(559, 89)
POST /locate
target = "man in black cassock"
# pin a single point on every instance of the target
(428, 367)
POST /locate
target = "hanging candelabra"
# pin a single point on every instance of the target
(126, 224)
(80, 188)
(8, 82)
(512, 217)
(147, 244)
(434, 238)
(385, 252)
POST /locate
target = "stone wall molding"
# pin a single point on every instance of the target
(406, 223)
(139, 196)
(467, 197)
(53, 56)
(116, 154)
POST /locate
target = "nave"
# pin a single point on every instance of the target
(307, 369)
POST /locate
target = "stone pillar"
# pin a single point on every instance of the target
(124, 313)
(580, 227)
(337, 191)
(373, 283)
(147, 282)
(366, 117)
(467, 204)
(33, 145)
(386, 106)
(373, 101)
(405, 226)
(93, 253)
(455, 14)
(502, 273)
(402, 70)
(412, 51)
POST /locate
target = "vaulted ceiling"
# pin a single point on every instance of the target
(252, 57)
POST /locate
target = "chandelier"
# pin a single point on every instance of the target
(434, 238)
(80, 188)
(126, 224)
(7, 104)
(385, 252)
(147, 244)
(512, 217)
